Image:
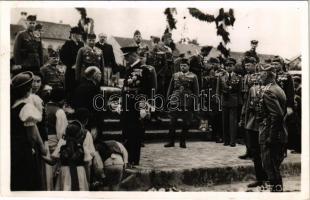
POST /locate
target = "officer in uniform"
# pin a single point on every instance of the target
(252, 51)
(229, 88)
(138, 84)
(209, 83)
(285, 81)
(272, 131)
(67, 55)
(182, 98)
(248, 80)
(249, 120)
(88, 56)
(28, 53)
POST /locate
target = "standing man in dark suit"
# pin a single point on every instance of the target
(67, 55)
(109, 58)
(272, 130)
(230, 90)
(28, 53)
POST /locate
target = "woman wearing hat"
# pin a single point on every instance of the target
(24, 135)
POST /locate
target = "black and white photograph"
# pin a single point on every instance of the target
(155, 98)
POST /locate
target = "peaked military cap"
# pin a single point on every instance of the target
(31, 18)
(230, 61)
(277, 59)
(137, 32)
(268, 67)
(184, 61)
(254, 42)
(214, 60)
(38, 27)
(249, 59)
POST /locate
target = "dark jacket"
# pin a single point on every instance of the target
(229, 88)
(28, 51)
(108, 55)
(68, 52)
(285, 81)
(272, 127)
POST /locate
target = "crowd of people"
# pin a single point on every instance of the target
(56, 130)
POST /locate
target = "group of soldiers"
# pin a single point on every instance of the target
(256, 96)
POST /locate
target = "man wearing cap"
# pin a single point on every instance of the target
(196, 62)
(229, 88)
(89, 55)
(272, 130)
(109, 58)
(67, 55)
(139, 81)
(51, 74)
(182, 97)
(212, 101)
(252, 51)
(248, 80)
(142, 47)
(285, 81)
(27, 50)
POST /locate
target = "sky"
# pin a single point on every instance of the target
(278, 29)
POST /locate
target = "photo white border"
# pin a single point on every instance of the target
(5, 8)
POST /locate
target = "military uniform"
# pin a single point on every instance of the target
(272, 132)
(28, 51)
(181, 103)
(139, 80)
(86, 57)
(230, 90)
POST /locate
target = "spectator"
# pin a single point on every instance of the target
(24, 134)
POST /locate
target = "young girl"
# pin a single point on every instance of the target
(70, 153)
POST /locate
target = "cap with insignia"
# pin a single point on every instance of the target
(38, 27)
(214, 61)
(31, 18)
(277, 59)
(184, 61)
(230, 61)
(75, 30)
(254, 42)
(248, 59)
(268, 67)
(137, 32)
(128, 50)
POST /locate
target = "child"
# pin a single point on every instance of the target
(70, 152)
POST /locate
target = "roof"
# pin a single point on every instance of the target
(50, 30)
(125, 42)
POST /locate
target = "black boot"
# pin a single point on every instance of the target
(182, 139)
(172, 136)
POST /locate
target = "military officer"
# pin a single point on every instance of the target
(142, 47)
(182, 98)
(248, 80)
(272, 131)
(89, 55)
(252, 51)
(229, 88)
(138, 84)
(209, 83)
(28, 53)
(285, 81)
(249, 120)
(67, 55)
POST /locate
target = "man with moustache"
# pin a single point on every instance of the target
(109, 58)
(182, 98)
